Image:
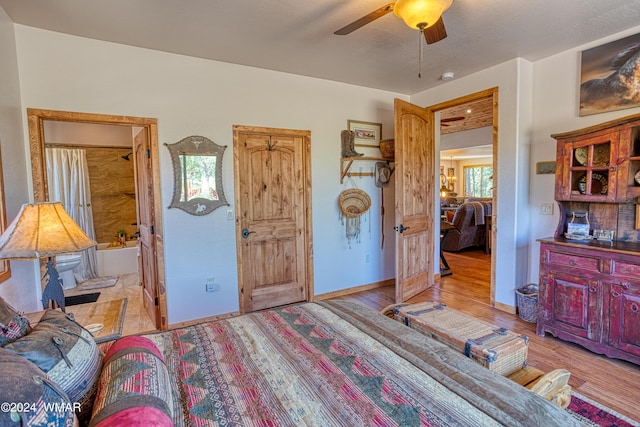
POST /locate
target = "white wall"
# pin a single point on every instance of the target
(19, 290)
(513, 78)
(555, 110)
(192, 96)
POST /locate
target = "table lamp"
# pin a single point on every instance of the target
(44, 230)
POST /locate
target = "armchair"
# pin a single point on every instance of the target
(468, 227)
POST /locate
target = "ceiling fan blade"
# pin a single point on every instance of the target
(435, 33)
(452, 119)
(379, 13)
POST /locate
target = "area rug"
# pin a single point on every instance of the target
(591, 413)
(81, 299)
(98, 282)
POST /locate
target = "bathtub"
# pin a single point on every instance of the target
(116, 261)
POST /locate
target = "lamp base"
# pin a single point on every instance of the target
(53, 294)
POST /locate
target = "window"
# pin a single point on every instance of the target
(478, 181)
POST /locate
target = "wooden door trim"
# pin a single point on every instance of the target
(36, 118)
(308, 236)
(493, 94)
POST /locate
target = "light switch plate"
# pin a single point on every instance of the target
(546, 209)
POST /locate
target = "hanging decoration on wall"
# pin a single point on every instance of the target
(353, 204)
(197, 175)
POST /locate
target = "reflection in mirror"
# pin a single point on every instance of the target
(197, 170)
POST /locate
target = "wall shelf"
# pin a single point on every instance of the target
(346, 162)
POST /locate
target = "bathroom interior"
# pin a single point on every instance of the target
(90, 170)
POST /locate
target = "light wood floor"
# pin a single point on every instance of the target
(136, 319)
(612, 382)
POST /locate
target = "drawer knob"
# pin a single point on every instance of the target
(592, 289)
(634, 307)
(615, 294)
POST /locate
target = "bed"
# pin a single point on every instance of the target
(334, 363)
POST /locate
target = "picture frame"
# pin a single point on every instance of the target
(546, 167)
(366, 134)
(606, 235)
(601, 70)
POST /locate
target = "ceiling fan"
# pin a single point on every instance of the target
(423, 15)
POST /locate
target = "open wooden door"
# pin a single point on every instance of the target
(415, 192)
(146, 240)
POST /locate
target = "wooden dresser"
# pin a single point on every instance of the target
(590, 289)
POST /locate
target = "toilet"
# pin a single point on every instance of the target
(65, 265)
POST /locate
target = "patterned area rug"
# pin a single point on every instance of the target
(592, 413)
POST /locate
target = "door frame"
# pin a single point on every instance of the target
(488, 93)
(36, 118)
(306, 184)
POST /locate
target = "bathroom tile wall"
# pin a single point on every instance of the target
(112, 192)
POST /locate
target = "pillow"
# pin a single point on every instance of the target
(27, 390)
(67, 353)
(134, 385)
(12, 324)
(450, 215)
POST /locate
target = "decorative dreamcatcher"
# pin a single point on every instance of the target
(353, 204)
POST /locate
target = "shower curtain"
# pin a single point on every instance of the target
(68, 179)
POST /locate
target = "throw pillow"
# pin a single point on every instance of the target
(134, 385)
(67, 353)
(12, 324)
(29, 396)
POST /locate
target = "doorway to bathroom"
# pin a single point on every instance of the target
(101, 167)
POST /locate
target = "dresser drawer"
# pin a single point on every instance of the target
(622, 268)
(582, 262)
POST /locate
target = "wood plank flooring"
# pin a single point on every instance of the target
(612, 382)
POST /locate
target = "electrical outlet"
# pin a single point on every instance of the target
(366, 259)
(230, 214)
(211, 285)
(546, 209)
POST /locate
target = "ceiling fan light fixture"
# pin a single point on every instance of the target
(420, 14)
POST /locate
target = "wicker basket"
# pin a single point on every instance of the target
(354, 202)
(387, 148)
(527, 301)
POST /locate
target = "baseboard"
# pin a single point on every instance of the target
(329, 295)
(504, 307)
(202, 320)
(343, 292)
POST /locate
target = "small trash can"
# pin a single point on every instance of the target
(527, 302)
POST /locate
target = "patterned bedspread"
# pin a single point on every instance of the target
(335, 364)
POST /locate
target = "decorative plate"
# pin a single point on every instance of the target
(599, 184)
(600, 155)
(637, 177)
(581, 155)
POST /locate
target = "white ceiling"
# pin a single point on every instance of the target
(296, 36)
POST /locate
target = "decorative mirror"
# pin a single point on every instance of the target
(197, 175)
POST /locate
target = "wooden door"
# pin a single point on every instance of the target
(273, 216)
(146, 240)
(415, 192)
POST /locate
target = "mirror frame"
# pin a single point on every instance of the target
(196, 145)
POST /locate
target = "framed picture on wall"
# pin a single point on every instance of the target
(547, 167)
(609, 76)
(367, 134)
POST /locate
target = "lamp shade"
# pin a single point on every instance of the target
(42, 230)
(415, 13)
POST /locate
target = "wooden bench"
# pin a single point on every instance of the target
(552, 386)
